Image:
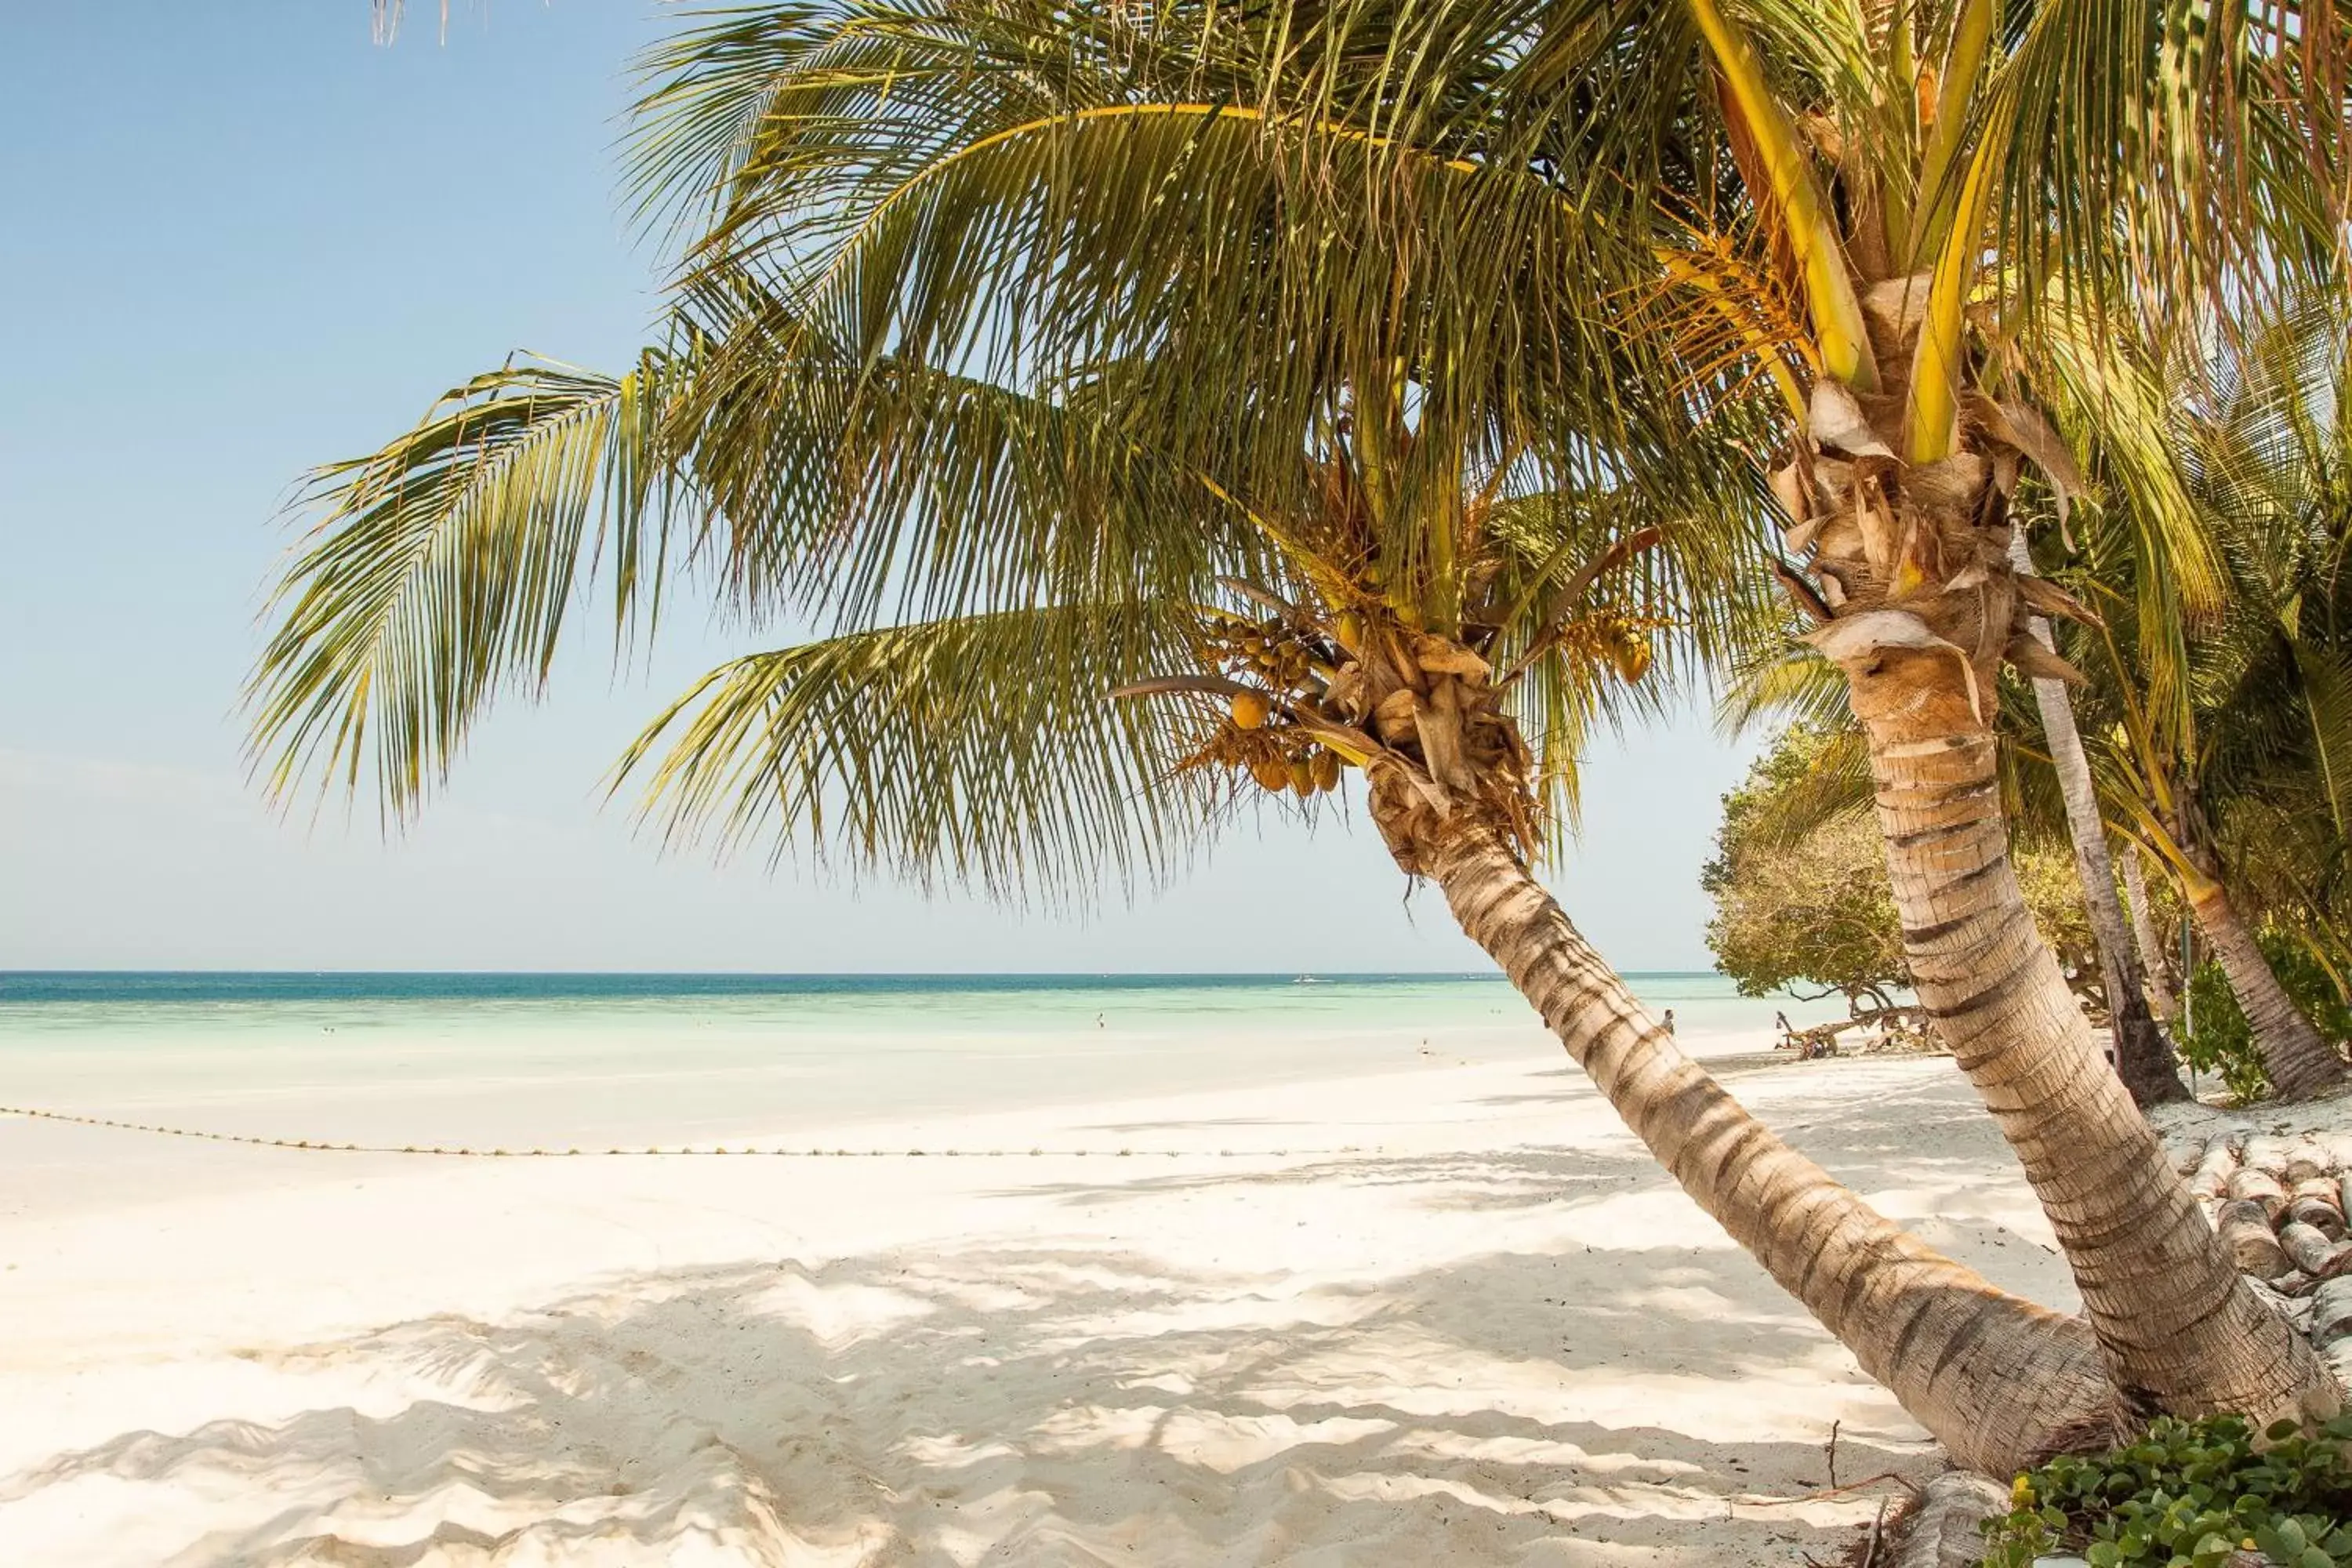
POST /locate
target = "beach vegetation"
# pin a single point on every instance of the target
(1802, 896)
(2216, 1036)
(2215, 737)
(2195, 1493)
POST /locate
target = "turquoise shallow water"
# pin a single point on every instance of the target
(511, 1058)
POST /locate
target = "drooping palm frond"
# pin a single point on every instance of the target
(387, 14)
(2160, 155)
(2323, 676)
(983, 750)
(448, 562)
(1778, 682)
(2127, 417)
(887, 490)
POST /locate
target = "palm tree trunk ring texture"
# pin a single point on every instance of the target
(2180, 1329)
(1998, 1379)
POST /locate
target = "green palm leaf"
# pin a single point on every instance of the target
(983, 750)
(448, 564)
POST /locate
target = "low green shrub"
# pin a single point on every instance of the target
(2187, 1495)
(2222, 1043)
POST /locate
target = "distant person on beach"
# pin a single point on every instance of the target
(1781, 1022)
(1670, 1020)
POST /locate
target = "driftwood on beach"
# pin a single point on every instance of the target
(1893, 1028)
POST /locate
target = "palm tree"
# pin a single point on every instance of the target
(2236, 719)
(2193, 720)
(2169, 805)
(2270, 773)
(1030, 354)
(2144, 1057)
(2228, 718)
(1964, 213)
(1967, 237)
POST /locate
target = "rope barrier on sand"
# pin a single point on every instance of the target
(812, 1153)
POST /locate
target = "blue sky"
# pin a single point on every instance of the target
(240, 240)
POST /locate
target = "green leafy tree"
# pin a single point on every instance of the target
(1801, 895)
(1810, 907)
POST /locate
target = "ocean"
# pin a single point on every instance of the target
(518, 1060)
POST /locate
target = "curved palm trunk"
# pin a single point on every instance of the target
(2179, 1327)
(2144, 1057)
(2300, 1065)
(1997, 1379)
(2160, 999)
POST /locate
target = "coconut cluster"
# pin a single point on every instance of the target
(1279, 662)
(1618, 640)
(1308, 695)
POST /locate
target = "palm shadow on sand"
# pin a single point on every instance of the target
(1056, 1406)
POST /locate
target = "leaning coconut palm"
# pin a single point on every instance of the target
(1127, 468)
(1080, 206)
(2208, 725)
(1967, 211)
(2271, 776)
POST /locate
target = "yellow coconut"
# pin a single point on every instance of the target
(1302, 777)
(1327, 770)
(1250, 710)
(1632, 657)
(1270, 772)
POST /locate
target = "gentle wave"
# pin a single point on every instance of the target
(547, 1058)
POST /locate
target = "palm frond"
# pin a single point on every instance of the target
(447, 562)
(983, 749)
(2158, 156)
(887, 490)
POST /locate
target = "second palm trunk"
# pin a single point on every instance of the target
(2180, 1328)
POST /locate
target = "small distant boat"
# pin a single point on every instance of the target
(1310, 980)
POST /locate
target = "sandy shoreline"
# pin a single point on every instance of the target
(1503, 1338)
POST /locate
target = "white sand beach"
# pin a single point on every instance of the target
(1494, 1333)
